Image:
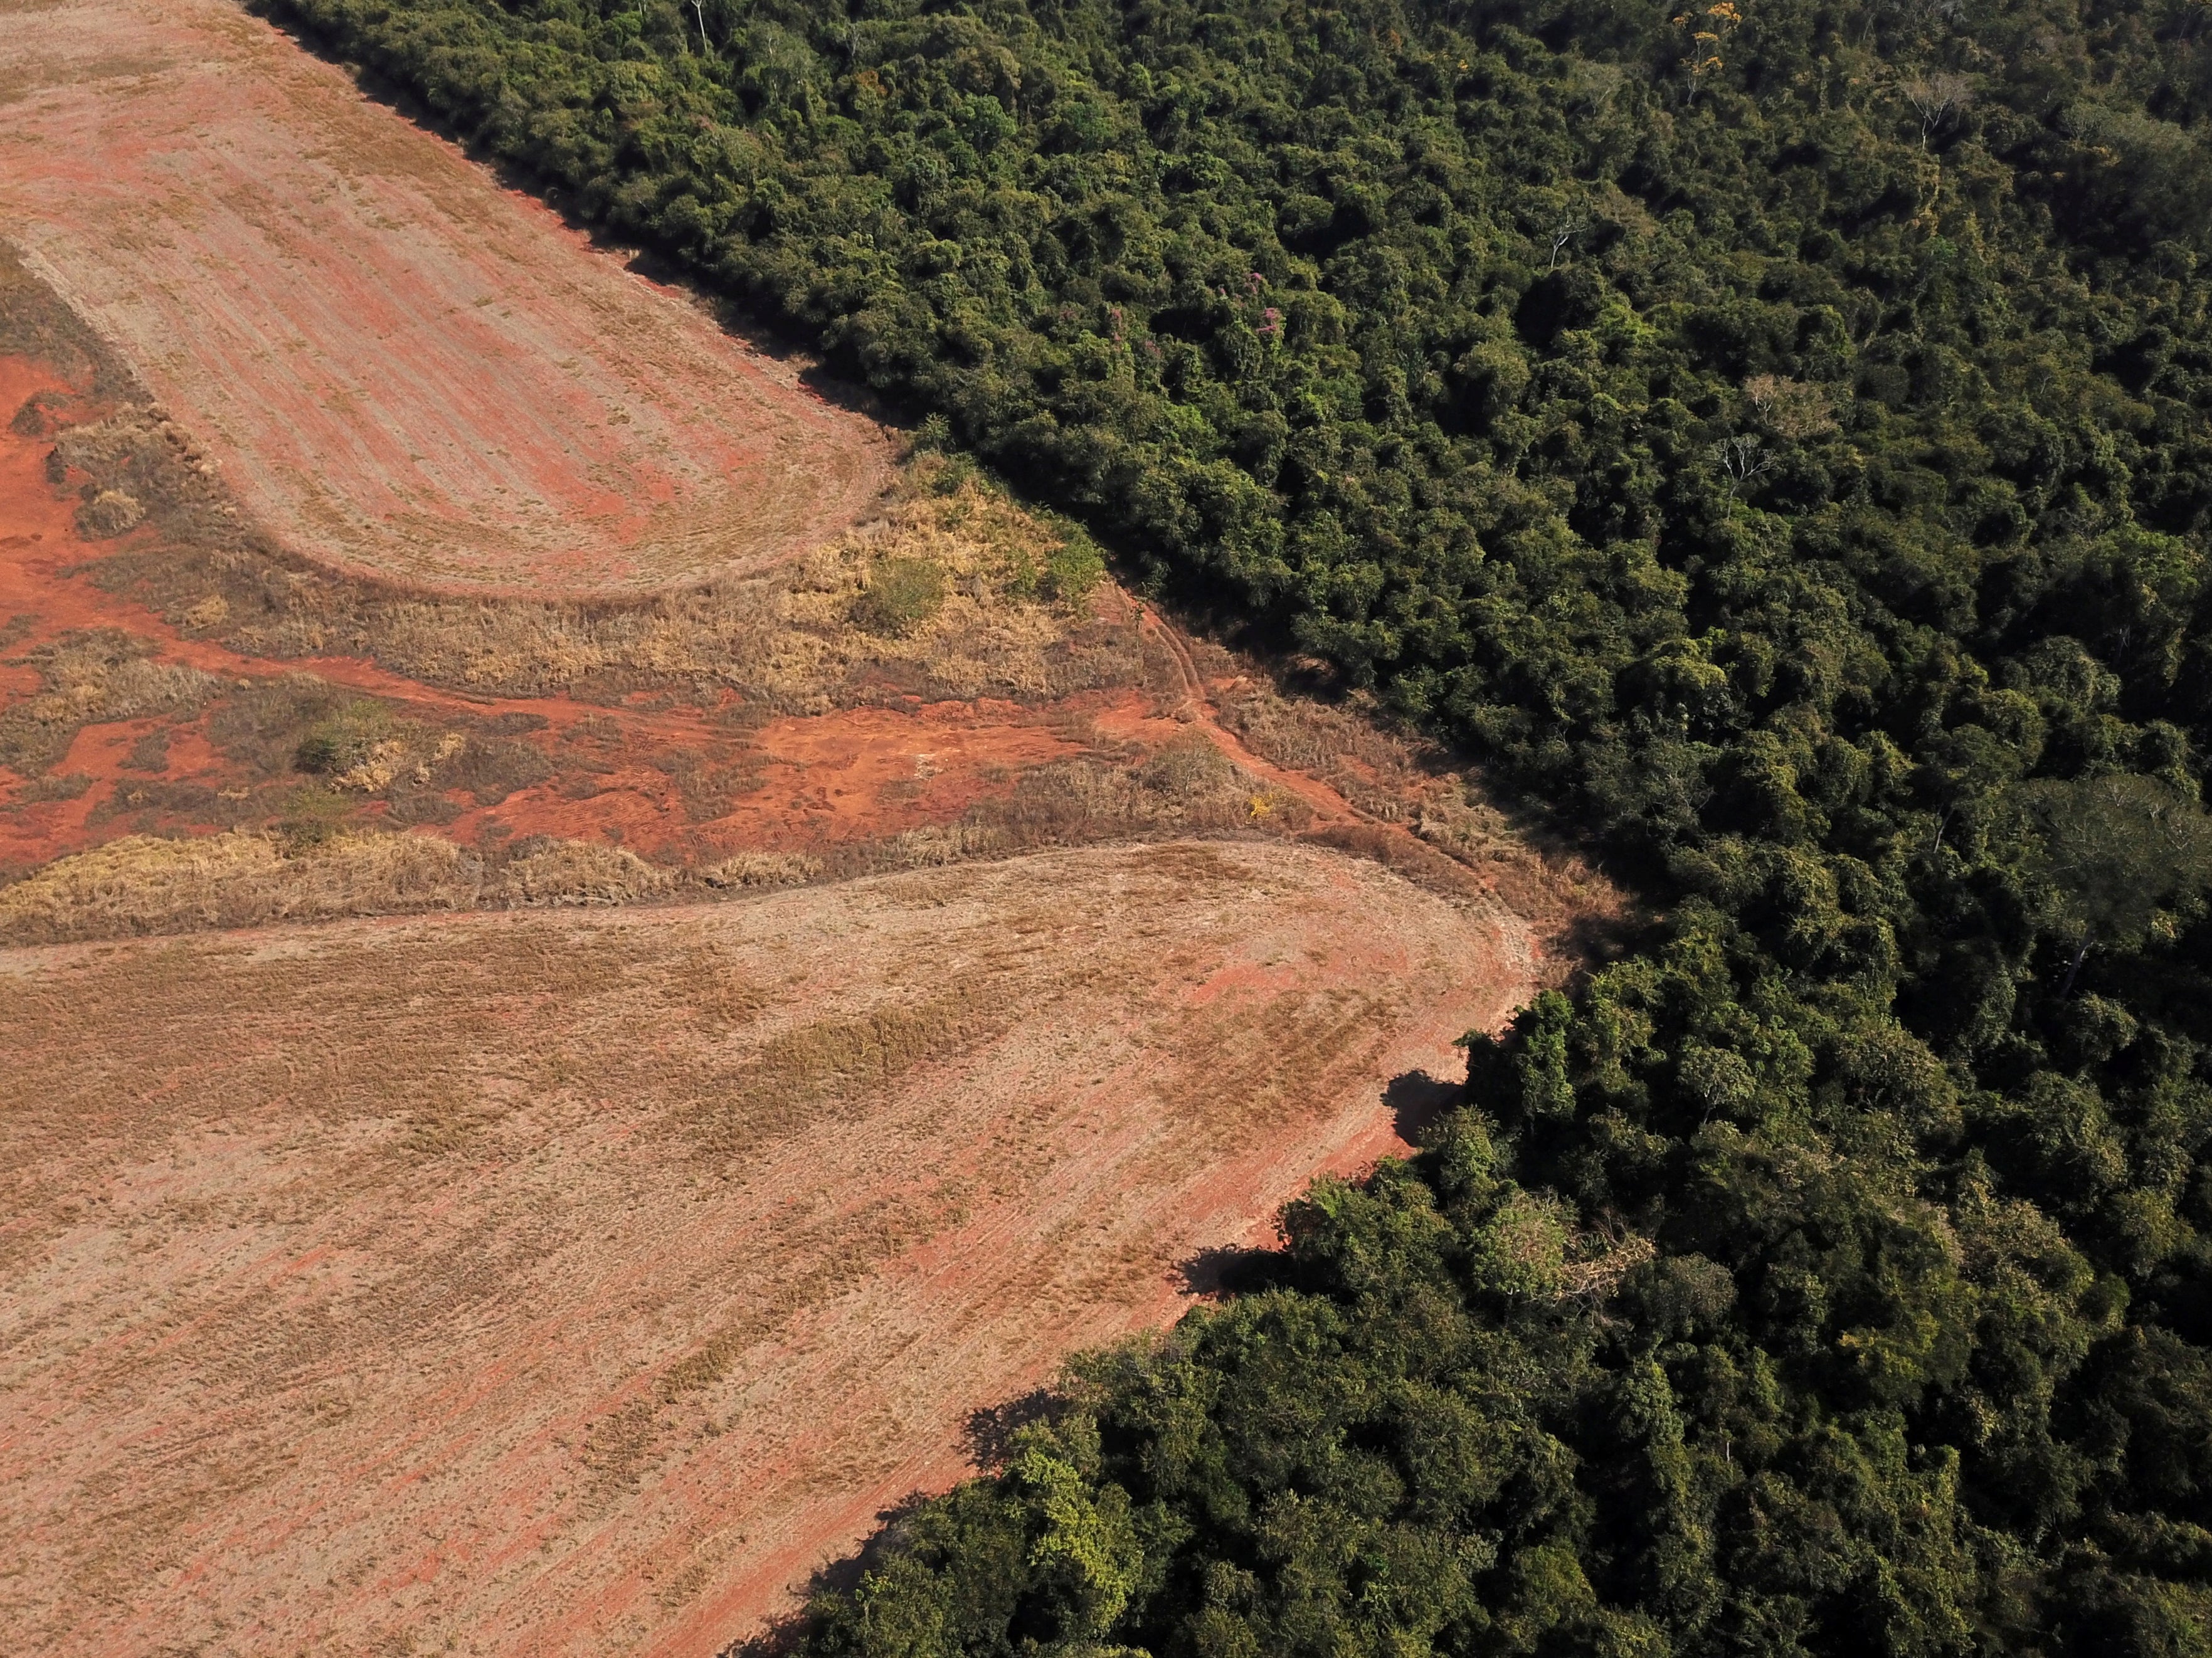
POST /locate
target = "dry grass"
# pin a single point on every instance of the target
(572, 872)
(762, 869)
(801, 639)
(33, 324)
(141, 884)
(313, 869)
(86, 679)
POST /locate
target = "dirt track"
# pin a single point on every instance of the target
(575, 1284)
(404, 370)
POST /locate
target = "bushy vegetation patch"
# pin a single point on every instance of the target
(900, 595)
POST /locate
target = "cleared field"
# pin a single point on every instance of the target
(404, 371)
(542, 1282)
(151, 684)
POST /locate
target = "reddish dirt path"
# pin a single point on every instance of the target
(1331, 810)
(542, 1283)
(403, 369)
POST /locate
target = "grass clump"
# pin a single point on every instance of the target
(764, 868)
(342, 740)
(577, 872)
(903, 595)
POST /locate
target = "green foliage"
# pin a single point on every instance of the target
(2117, 847)
(901, 595)
(1789, 455)
(342, 738)
(1073, 567)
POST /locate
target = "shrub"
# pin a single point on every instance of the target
(902, 595)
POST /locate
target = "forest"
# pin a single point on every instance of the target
(1776, 437)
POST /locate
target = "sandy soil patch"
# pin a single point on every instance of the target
(404, 370)
(547, 1282)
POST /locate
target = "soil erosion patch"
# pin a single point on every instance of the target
(404, 370)
(576, 1283)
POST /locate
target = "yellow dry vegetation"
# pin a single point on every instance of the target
(764, 868)
(86, 678)
(792, 636)
(578, 873)
(143, 884)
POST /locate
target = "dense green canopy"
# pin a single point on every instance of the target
(1779, 437)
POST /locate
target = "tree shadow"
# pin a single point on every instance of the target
(1231, 1270)
(781, 341)
(1417, 1103)
(1595, 941)
(989, 1432)
(787, 1633)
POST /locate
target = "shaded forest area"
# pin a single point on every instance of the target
(1779, 437)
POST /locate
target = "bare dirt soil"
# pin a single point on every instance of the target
(546, 1283)
(405, 371)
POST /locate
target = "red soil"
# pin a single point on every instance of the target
(809, 782)
(537, 1284)
(812, 780)
(404, 370)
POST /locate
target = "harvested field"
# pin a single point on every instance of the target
(404, 371)
(549, 1283)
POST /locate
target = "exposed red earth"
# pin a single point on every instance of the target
(848, 775)
(820, 779)
(404, 371)
(532, 1283)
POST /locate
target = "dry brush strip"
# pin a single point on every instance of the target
(145, 884)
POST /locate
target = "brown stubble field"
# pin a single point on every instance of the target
(405, 371)
(575, 1283)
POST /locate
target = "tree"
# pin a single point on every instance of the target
(1936, 98)
(2116, 848)
(1709, 29)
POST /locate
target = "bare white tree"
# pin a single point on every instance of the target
(1742, 458)
(1563, 236)
(1936, 99)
